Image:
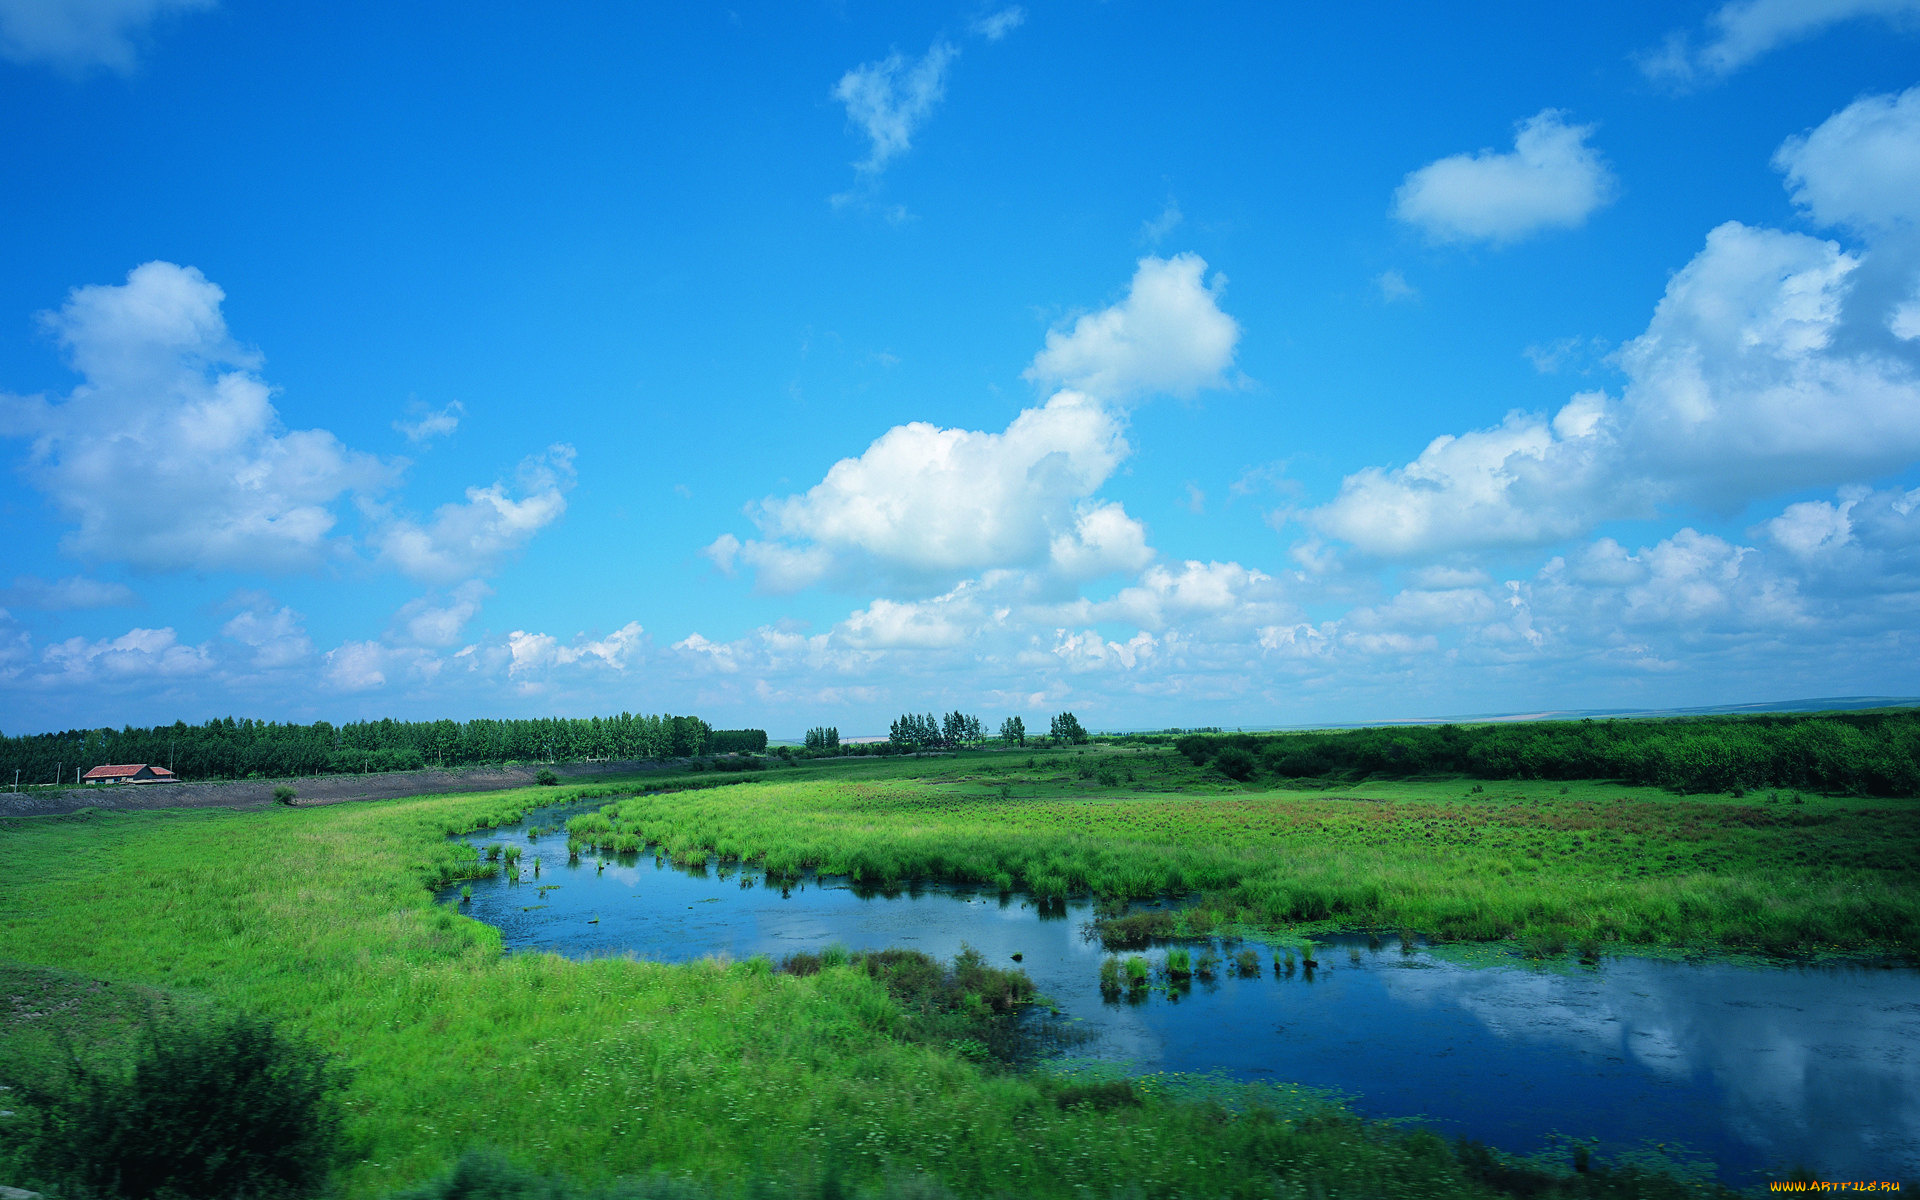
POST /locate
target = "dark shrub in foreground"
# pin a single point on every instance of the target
(211, 1107)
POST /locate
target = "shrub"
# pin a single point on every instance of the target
(215, 1107)
(546, 777)
(283, 795)
(1235, 763)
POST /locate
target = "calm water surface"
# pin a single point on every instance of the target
(1756, 1069)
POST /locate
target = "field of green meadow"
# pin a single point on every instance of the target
(738, 1078)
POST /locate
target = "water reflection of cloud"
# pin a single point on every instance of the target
(1817, 1066)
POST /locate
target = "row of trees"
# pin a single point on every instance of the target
(823, 737)
(914, 732)
(227, 748)
(1864, 753)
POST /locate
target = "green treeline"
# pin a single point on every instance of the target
(228, 749)
(1870, 753)
(736, 741)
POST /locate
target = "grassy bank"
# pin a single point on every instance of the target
(728, 1073)
(1778, 872)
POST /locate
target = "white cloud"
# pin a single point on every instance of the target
(171, 407)
(1167, 336)
(1745, 30)
(356, 666)
(945, 621)
(1765, 367)
(540, 651)
(1524, 481)
(924, 502)
(275, 635)
(1688, 585)
(1165, 597)
(1551, 180)
(1088, 651)
(1745, 383)
(1812, 527)
(997, 25)
(1103, 540)
(425, 423)
(65, 595)
(429, 621)
(1860, 167)
(138, 654)
(469, 539)
(891, 98)
(78, 34)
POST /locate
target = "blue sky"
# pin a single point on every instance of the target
(796, 363)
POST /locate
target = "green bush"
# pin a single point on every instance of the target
(1235, 763)
(283, 795)
(546, 777)
(210, 1107)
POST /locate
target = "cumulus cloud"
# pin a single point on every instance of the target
(1745, 30)
(532, 652)
(1167, 336)
(1766, 366)
(1552, 179)
(1165, 596)
(1524, 481)
(356, 666)
(136, 655)
(890, 99)
(925, 502)
(1861, 167)
(171, 408)
(470, 538)
(79, 34)
(64, 595)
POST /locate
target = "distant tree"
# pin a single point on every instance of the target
(1013, 731)
(1067, 730)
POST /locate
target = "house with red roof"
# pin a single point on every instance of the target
(130, 773)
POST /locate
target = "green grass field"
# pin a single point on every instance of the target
(736, 1075)
(1780, 873)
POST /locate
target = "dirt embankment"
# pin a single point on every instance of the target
(317, 789)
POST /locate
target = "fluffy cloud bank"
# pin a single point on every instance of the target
(1766, 367)
(1552, 179)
